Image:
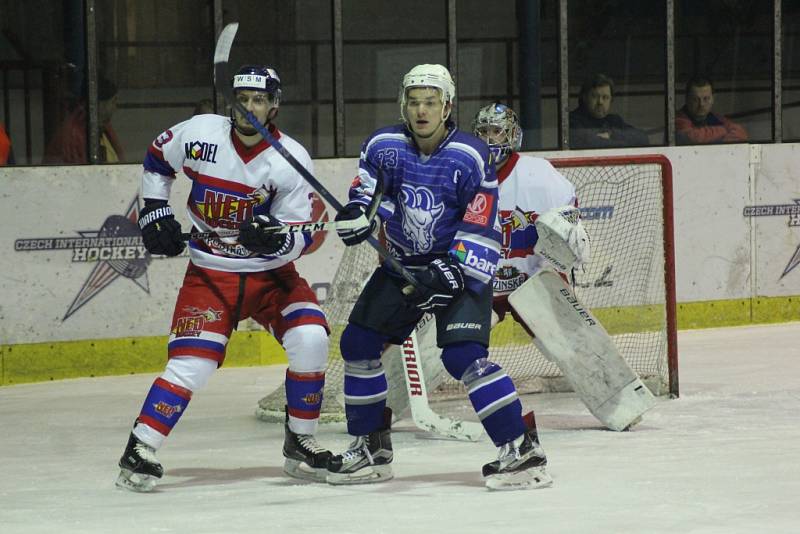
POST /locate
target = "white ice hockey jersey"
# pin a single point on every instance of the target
(529, 187)
(230, 183)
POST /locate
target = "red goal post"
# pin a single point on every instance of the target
(657, 169)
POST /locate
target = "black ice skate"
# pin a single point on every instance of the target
(520, 463)
(368, 460)
(304, 457)
(139, 468)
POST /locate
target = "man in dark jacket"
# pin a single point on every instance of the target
(592, 126)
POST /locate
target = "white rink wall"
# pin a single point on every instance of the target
(58, 285)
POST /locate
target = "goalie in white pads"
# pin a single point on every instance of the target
(541, 226)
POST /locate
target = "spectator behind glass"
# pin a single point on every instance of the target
(69, 144)
(592, 126)
(696, 124)
(6, 153)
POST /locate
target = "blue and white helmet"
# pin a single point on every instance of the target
(426, 75)
(503, 117)
(258, 78)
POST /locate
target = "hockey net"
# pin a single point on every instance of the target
(626, 206)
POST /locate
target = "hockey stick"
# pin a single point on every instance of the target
(424, 417)
(365, 220)
(285, 228)
(221, 77)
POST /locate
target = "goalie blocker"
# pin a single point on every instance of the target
(572, 338)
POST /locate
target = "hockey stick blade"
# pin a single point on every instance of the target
(421, 412)
(224, 44)
(221, 78)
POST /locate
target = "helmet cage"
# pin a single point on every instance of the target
(502, 117)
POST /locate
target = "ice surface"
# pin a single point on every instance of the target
(724, 458)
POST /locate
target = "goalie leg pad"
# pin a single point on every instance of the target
(570, 336)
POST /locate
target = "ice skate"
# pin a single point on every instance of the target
(139, 468)
(368, 460)
(520, 463)
(304, 457)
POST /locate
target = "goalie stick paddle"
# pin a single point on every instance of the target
(221, 79)
(421, 412)
(292, 228)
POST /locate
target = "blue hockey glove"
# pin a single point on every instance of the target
(440, 283)
(161, 233)
(258, 235)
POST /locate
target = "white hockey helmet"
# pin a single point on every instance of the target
(427, 75)
(503, 117)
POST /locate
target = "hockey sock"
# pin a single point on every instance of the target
(494, 398)
(163, 406)
(365, 391)
(304, 400)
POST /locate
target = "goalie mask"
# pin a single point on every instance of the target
(427, 75)
(262, 79)
(498, 126)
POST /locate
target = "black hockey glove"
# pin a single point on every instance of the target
(354, 236)
(258, 234)
(161, 233)
(440, 283)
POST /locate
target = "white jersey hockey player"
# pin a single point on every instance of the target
(528, 187)
(542, 231)
(239, 182)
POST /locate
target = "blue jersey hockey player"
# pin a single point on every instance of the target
(439, 213)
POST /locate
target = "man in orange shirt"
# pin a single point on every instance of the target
(696, 124)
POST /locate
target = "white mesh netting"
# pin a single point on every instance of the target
(624, 286)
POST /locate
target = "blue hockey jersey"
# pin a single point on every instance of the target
(437, 204)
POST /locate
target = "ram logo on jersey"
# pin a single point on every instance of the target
(470, 259)
(420, 214)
